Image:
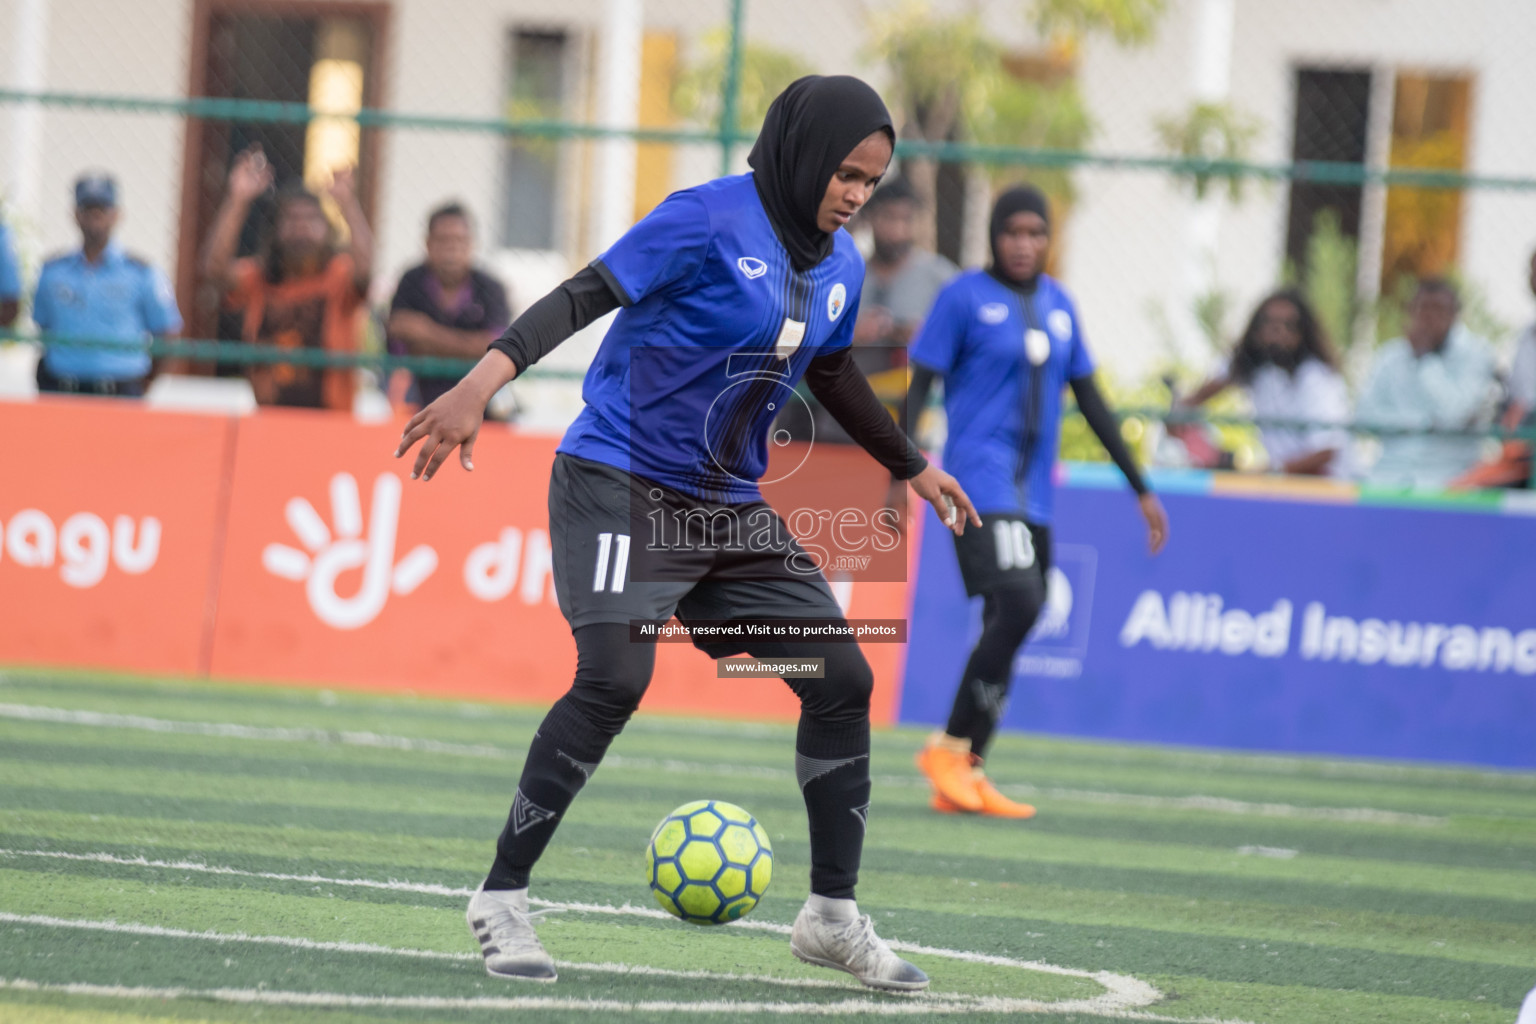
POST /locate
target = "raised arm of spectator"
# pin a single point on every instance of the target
(249, 177)
(343, 190)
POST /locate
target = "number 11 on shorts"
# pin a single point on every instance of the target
(618, 546)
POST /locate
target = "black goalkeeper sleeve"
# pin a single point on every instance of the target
(838, 385)
(1106, 427)
(577, 302)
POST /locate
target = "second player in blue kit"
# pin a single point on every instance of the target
(729, 294)
(1006, 342)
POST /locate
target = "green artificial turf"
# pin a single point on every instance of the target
(176, 852)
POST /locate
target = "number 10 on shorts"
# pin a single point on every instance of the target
(1015, 546)
(616, 545)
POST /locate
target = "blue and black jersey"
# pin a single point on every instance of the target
(716, 329)
(1003, 406)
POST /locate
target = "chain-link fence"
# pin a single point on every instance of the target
(1198, 153)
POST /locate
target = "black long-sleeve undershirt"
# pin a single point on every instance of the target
(1106, 427)
(841, 388)
(577, 302)
(1090, 401)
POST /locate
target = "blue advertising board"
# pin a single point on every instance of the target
(1285, 625)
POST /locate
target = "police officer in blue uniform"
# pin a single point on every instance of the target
(102, 295)
(10, 279)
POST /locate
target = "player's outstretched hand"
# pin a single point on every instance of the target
(453, 421)
(943, 492)
(1157, 522)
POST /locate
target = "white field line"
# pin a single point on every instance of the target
(314, 945)
(1119, 998)
(861, 1006)
(1132, 991)
(329, 737)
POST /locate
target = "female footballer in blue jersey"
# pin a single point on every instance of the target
(1006, 341)
(728, 293)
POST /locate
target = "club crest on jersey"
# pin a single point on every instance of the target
(993, 313)
(836, 301)
(1060, 323)
(753, 267)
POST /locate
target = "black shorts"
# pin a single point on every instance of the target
(1004, 550)
(629, 550)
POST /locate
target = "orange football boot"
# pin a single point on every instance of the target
(948, 770)
(994, 804)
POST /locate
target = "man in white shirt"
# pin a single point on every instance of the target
(1522, 377)
(1439, 376)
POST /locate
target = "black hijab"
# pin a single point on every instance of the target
(810, 129)
(1019, 199)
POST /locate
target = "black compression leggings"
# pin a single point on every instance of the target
(612, 674)
(1008, 614)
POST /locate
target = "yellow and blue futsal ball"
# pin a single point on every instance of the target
(709, 862)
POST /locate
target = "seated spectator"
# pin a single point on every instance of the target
(1439, 377)
(301, 290)
(446, 307)
(99, 293)
(1288, 367)
(1512, 466)
(10, 279)
(1522, 376)
(900, 279)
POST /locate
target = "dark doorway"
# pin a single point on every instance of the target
(1332, 116)
(280, 51)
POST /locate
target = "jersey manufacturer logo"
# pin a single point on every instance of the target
(753, 267)
(993, 313)
(1060, 323)
(836, 301)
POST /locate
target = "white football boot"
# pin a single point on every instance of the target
(832, 933)
(503, 926)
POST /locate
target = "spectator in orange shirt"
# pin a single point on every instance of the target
(301, 290)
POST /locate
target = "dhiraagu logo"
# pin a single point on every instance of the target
(836, 302)
(347, 544)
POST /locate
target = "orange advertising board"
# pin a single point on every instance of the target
(108, 528)
(291, 546)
